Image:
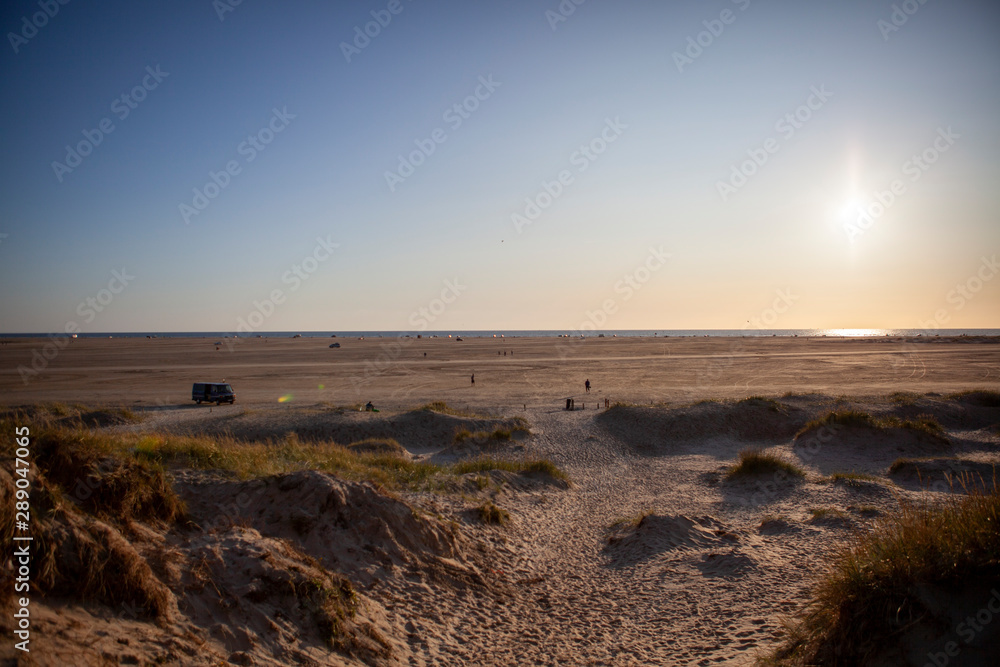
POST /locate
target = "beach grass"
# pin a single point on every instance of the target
(872, 591)
(859, 419)
(753, 462)
(144, 458)
(987, 398)
(489, 513)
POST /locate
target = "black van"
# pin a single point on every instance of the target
(212, 392)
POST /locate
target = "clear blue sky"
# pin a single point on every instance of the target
(673, 131)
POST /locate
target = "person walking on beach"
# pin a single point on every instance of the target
(473, 379)
(587, 385)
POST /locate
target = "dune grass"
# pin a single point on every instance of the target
(84, 496)
(904, 398)
(632, 521)
(764, 401)
(497, 435)
(105, 480)
(855, 479)
(775, 519)
(488, 463)
(76, 415)
(489, 513)
(872, 591)
(135, 485)
(443, 408)
(378, 446)
(825, 513)
(867, 510)
(754, 462)
(901, 463)
(987, 398)
(516, 425)
(926, 424)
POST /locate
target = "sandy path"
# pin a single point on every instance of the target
(576, 605)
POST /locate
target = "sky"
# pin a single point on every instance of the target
(483, 165)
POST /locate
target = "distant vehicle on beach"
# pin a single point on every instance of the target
(212, 392)
(335, 345)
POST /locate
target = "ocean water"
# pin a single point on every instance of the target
(517, 333)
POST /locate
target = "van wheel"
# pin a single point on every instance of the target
(199, 402)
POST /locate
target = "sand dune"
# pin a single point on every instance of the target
(653, 555)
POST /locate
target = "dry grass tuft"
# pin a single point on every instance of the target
(762, 401)
(491, 514)
(77, 556)
(488, 463)
(497, 435)
(109, 484)
(854, 479)
(387, 446)
(984, 398)
(872, 593)
(925, 424)
(754, 462)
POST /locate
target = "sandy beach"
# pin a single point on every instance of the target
(537, 372)
(648, 554)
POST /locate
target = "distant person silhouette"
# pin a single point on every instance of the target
(473, 378)
(587, 385)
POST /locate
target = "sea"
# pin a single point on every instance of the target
(554, 333)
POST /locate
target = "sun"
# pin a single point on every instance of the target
(850, 207)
